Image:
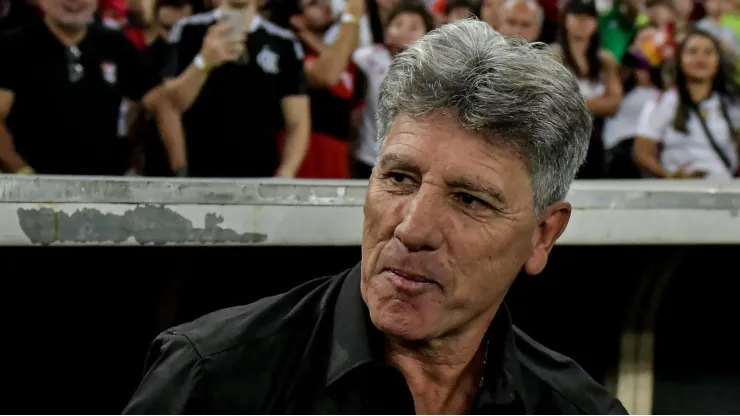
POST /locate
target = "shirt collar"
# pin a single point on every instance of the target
(356, 341)
(352, 332)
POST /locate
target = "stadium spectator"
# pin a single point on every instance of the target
(712, 24)
(60, 98)
(332, 86)
(461, 9)
(597, 72)
(691, 130)
(659, 13)
(522, 18)
(164, 15)
(490, 11)
(408, 21)
(643, 84)
(240, 77)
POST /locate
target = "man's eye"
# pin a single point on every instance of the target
(397, 177)
(471, 201)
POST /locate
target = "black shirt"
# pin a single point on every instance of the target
(16, 13)
(232, 126)
(314, 350)
(61, 126)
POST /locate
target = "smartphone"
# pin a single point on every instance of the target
(235, 21)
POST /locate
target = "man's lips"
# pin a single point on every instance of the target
(411, 276)
(409, 282)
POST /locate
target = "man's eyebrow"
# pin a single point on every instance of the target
(472, 186)
(396, 161)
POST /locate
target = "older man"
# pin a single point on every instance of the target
(522, 18)
(481, 138)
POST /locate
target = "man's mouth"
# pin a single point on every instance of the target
(409, 282)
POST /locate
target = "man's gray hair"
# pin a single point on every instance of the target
(516, 94)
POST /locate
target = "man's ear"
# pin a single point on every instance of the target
(551, 225)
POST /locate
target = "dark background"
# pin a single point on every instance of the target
(77, 322)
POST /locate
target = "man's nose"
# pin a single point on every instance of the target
(422, 218)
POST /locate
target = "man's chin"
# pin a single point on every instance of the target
(399, 319)
(73, 25)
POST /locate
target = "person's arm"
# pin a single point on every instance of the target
(172, 381)
(652, 125)
(140, 82)
(10, 160)
(217, 49)
(296, 113)
(607, 104)
(313, 41)
(326, 70)
(645, 155)
(169, 124)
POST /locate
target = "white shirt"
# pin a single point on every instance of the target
(374, 61)
(623, 124)
(693, 148)
(590, 89)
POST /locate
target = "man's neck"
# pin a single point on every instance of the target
(67, 36)
(443, 375)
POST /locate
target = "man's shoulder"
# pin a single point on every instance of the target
(196, 24)
(269, 319)
(275, 31)
(561, 382)
(282, 38)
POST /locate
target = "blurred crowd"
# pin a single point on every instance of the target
(288, 88)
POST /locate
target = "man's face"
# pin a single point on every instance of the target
(403, 30)
(449, 223)
(519, 19)
(661, 14)
(167, 16)
(490, 12)
(317, 14)
(70, 14)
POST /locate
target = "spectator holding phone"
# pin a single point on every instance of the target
(691, 130)
(238, 78)
(332, 85)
